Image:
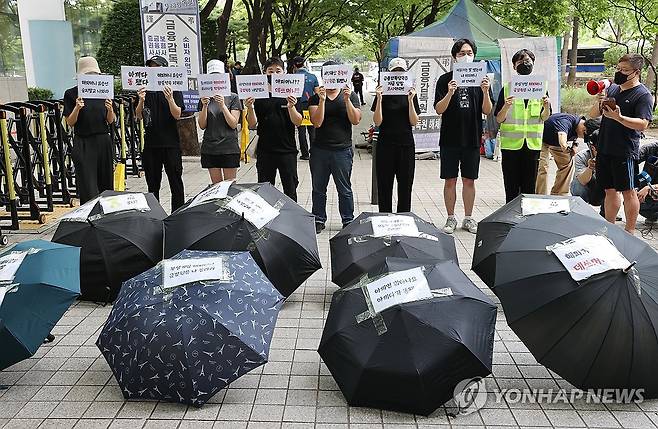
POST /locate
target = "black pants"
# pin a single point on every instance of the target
(359, 90)
(153, 159)
(303, 143)
(93, 161)
(649, 209)
(519, 171)
(268, 163)
(395, 162)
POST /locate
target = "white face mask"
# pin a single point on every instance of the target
(465, 59)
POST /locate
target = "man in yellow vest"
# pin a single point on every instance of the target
(521, 129)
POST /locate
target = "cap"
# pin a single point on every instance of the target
(158, 61)
(298, 61)
(215, 66)
(397, 63)
(88, 65)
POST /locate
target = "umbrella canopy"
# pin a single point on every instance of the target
(410, 356)
(39, 281)
(257, 218)
(595, 333)
(493, 229)
(119, 235)
(190, 326)
(371, 237)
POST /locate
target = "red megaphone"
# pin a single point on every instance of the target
(596, 87)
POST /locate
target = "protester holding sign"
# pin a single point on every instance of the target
(160, 110)
(357, 82)
(276, 119)
(395, 115)
(521, 131)
(333, 113)
(93, 153)
(461, 110)
(627, 108)
(219, 116)
(310, 86)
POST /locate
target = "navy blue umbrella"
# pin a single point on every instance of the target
(185, 342)
(38, 282)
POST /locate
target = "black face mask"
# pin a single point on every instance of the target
(621, 78)
(525, 68)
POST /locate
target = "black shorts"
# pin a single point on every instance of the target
(616, 172)
(454, 159)
(229, 160)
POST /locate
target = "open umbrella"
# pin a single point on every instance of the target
(371, 237)
(188, 327)
(120, 236)
(493, 229)
(405, 338)
(597, 332)
(257, 218)
(38, 282)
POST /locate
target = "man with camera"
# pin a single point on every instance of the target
(648, 192)
(584, 184)
(627, 110)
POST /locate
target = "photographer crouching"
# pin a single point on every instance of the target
(584, 184)
(648, 183)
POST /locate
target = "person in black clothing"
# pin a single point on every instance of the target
(160, 111)
(619, 137)
(461, 112)
(648, 195)
(276, 150)
(357, 82)
(395, 115)
(92, 146)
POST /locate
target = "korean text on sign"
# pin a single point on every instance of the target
(134, 78)
(588, 255)
(336, 76)
(399, 225)
(398, 288)
(177, 272)
(122, 202)
(252, 86)
(174, 77)
(528, 87)
(396, 83)
(469, 74)
(214, 84)
(100, 86)
(285, 85)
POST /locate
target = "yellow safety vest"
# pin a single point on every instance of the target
(522, 124)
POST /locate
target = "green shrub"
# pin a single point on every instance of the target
(35, 93)
(612, 55)
(575, 100)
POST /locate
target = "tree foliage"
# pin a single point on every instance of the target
(121, 40)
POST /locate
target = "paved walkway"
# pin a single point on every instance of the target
(68, 383)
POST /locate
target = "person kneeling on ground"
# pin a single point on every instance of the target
(584, 184)
(648, 195)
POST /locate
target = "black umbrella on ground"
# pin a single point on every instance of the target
(119, 235)
(493, 229)
(257, 218)
(371, 237)
(410, 356)
(595, 333)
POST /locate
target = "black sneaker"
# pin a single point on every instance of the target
(318, 227)
(304, 157)
(346, 224)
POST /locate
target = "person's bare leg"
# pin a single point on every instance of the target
(230, 173)
(215, 175)
(450, 195)
(612, 205)
(631, 209)
(468, 195)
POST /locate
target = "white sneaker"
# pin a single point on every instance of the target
(450, 226)
(470, 225)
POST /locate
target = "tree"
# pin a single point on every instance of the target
(121, 40)
(573, 55)
(11, 49)
(257, 11)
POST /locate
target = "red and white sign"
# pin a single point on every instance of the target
(587, 255)
(286, 85)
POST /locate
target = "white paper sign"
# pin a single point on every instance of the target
(9, 264)
(174, 77)
(134, 78)
(252, 86)
(99, 86)
(533, 206)
(254, 208)
(469, 74)
(396, 83)
(528, 87)
(587, 255)
(217, 191)
(214, 84)
(284, 85)
(398, 288)
(176, 272)
(117, 203)
(337, 76)
(383, 226)
(3, 292)
(80, 214)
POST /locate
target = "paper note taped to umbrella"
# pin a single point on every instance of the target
(218, 191)
(81, 213)
(177, 272)
(588, 255)
(533, 206)
(117, 203)
(398, 288)
(9, 264)
(385, 226)
(253, 207)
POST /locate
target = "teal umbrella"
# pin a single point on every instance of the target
(38, 282)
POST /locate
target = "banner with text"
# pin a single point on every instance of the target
(336, 76)
(285, 85)
(469, 74)
(214, 84)
(99, 86)
(252, 86)
(396, 83)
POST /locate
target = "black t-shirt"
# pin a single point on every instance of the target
(560, 123)
(92, 119)
(461, 123)
(395, 128)
(614, 138)
(336, 130)
(357, 79)
(276, 132)
(161, 129)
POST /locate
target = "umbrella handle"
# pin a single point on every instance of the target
(627, 269)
